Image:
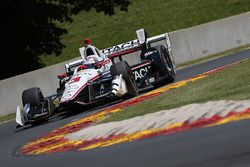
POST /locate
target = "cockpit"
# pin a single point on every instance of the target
(89, 52)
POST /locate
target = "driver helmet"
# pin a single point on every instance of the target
(87, 41)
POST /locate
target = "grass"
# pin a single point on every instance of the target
(229, 84)
(7, 117)
(158, 16)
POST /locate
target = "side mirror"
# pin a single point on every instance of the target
(61, 76)
(141, 36)
(83, 67)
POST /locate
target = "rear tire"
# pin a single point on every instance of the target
(167, 67)
(170, 65)
(123, 68)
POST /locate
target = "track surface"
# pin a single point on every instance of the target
(225, 145)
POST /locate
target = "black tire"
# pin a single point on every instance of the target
(33, 96)
(166, 64)
(123, 68)
(169, 63)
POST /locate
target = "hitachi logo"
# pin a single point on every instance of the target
(141, 73)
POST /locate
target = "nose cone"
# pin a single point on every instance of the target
(77, 83)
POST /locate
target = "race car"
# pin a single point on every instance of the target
(103, 75)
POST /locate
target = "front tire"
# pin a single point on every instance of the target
(33, 96)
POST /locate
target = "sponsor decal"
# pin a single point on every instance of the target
(139, 74)
(76, 79)
(150, 53)
(120, 47)
(104, 63)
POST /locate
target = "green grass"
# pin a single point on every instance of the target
(7, 117)
(156, 17)
(229, 84)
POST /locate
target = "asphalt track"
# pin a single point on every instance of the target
(224, 145)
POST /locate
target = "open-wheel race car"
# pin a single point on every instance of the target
(103, 75)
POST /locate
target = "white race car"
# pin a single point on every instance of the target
(98, 76)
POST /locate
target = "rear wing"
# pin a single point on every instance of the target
(134, 45)
(126, 48)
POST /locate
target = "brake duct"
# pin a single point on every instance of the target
(119, 87)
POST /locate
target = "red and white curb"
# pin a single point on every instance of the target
(161, 120)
